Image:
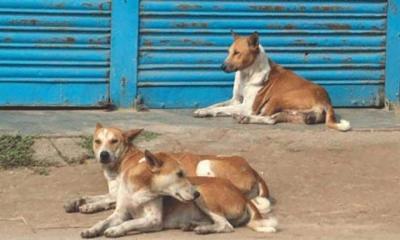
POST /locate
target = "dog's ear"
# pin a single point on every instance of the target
(132, 134)
(234, 35)
(154, 163)
(98, 126)
(253, 39)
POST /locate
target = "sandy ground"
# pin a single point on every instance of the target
(327, 185)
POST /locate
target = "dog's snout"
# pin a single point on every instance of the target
(223, 67)
(104, 157)
(196, 194)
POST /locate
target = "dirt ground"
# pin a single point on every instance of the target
(326, 185)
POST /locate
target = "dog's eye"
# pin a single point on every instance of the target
(97, 141)
(113, 141)
(235, 52)
(180, 174)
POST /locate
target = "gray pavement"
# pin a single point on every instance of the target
(72, 123)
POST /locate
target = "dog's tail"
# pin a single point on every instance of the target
(257, 223)
(330, 120)
(261, 201)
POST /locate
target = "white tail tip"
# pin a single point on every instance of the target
(343, 125)
(262, 204)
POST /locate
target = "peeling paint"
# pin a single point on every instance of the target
(147, 43)
(329, 8)
(70, 40)
(267, 8)
(192, 25)
(24, 22)
(338, 26)
(289, 27)
(185, 7)
(197, 42)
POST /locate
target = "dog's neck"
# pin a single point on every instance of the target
(111, 172)
(258, 72)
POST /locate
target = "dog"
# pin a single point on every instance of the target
(112, 146)
(205, 204)
(267, 93)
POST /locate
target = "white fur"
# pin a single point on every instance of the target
(203, 169)
(343, 125)
(248, 83)
(263, 204)
(266, 225)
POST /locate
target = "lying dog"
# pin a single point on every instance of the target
(267, 93)
(112, 146)
(218, 206)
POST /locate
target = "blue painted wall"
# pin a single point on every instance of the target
(55, 52)
(338, 44)
(96, 52)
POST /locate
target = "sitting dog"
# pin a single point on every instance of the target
(266, 93)
(112, 147)
(218, 206)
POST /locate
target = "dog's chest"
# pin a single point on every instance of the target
(249, 87)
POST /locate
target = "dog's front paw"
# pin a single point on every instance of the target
(202, 230)
(242, 119)
(90, 233)
(71, 206)
(88, 208)
(114, 232)
(199, 113)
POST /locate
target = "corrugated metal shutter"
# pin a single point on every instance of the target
(54, 52)
(339, 44)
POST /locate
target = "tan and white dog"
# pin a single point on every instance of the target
(112, 148)
(267, 93)
(205, 204)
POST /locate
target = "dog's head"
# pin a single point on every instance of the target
(110, 143)
(242, 53)
(168, 178)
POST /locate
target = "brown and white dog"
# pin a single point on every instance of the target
(205, 204)
(267, 93)
(112, 148)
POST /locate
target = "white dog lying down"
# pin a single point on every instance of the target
(113, 148)
(205, 204)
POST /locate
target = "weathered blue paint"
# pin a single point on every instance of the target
(54, 52)
(124, 52)
(338, 44)
(393, 53)
(188, 96)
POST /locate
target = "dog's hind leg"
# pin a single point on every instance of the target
(292, 116)
(220, 225)
(255, 119)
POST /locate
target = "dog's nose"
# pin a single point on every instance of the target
(223, 66)
(104, 157)
(196, 194)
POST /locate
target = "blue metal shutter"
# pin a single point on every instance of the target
(338, 44)
(54, 52)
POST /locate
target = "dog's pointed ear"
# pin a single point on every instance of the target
(132, 134)
(153, 162)
(98, 126)
(253, 40)
(234, 35)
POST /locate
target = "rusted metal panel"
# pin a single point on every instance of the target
(54, 52)
(339, 44)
